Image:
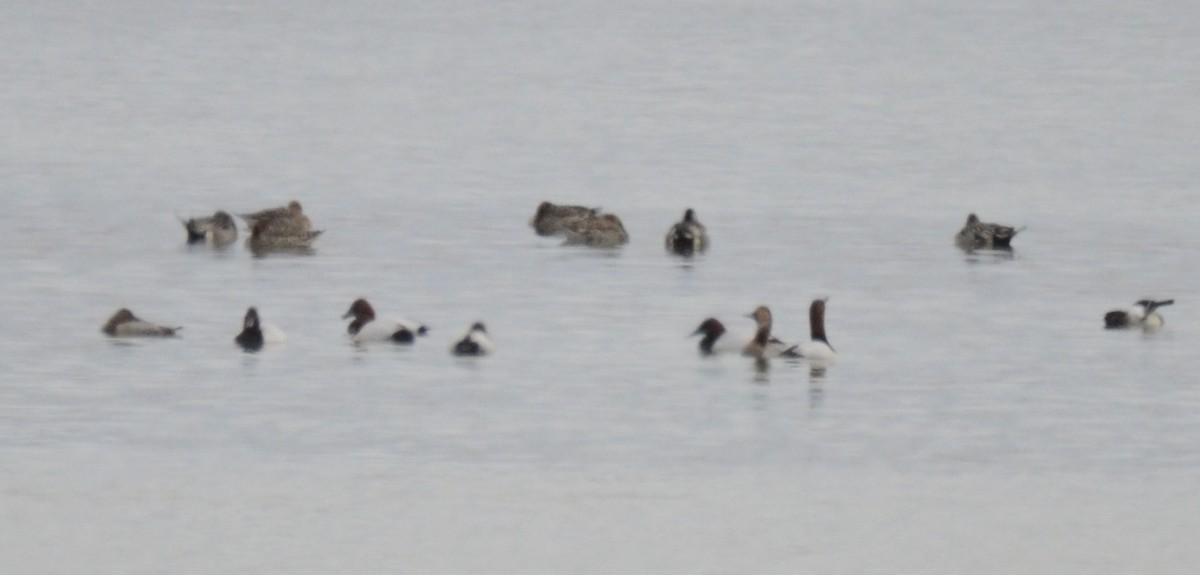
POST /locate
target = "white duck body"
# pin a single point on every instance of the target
(367, 328)
(473, 343)
(817, 349)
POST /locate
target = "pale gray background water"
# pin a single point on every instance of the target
(980, 420)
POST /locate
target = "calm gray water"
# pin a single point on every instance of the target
(979, 419)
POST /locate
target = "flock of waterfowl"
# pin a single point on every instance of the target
(288, 228)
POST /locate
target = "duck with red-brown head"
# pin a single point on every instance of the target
(817, 349)
(125, 324)
(366, 328)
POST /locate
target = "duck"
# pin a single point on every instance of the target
(553, 219)
(280, 235)
(717, 340)
(255, 334)
(125, 324)
(366, 328)
(1143, 314)
(687, 236)
(603, 231)
(290, 216)
(763, 345)
(218, 229)
(977, 234)
(817, 349)
(473, 343)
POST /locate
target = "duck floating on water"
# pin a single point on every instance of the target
(255, 334)
(366, 328)
(290, 217)
(1143, 314)
(603, 231)
(818, 347)
(977, 234)
(764, 346)
(218, 229)
(688, 236)
(552, 219)
(473, 343)
(125, 324)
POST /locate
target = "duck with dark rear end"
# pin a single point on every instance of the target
(474, 343)
(764, 346)
(255, 334)
(366, 328)
(125, 324)
(1142, 314)
(218, 229)
(976, 234)
(717, 340)
(687, 236)
(551, 219)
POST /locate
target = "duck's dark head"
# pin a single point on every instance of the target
(360, 309)
(123, 315)
(710, 327)
(251, 320)
(816, 320)
(477, 326)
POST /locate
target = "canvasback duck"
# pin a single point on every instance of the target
(976, 234)
(687, 236)
(717, 340)
(125, 324)
(817, 349)
(366, 328)
(551, 219)
(473, 343)
(763, 345)
(277, 235)
(604, 231)
(290, 217)
(255, 334)
(218, 229)
(1142, 314)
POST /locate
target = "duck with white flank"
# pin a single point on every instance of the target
(763, 346)
(473, 343)
(217, 229)
(817, 348)
(255, 334)
(687, 236)
(1143, 314)
(366, 328)
(551, 219)
(717, 340)
(604, 231)
(125, 324)
(976, 234)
